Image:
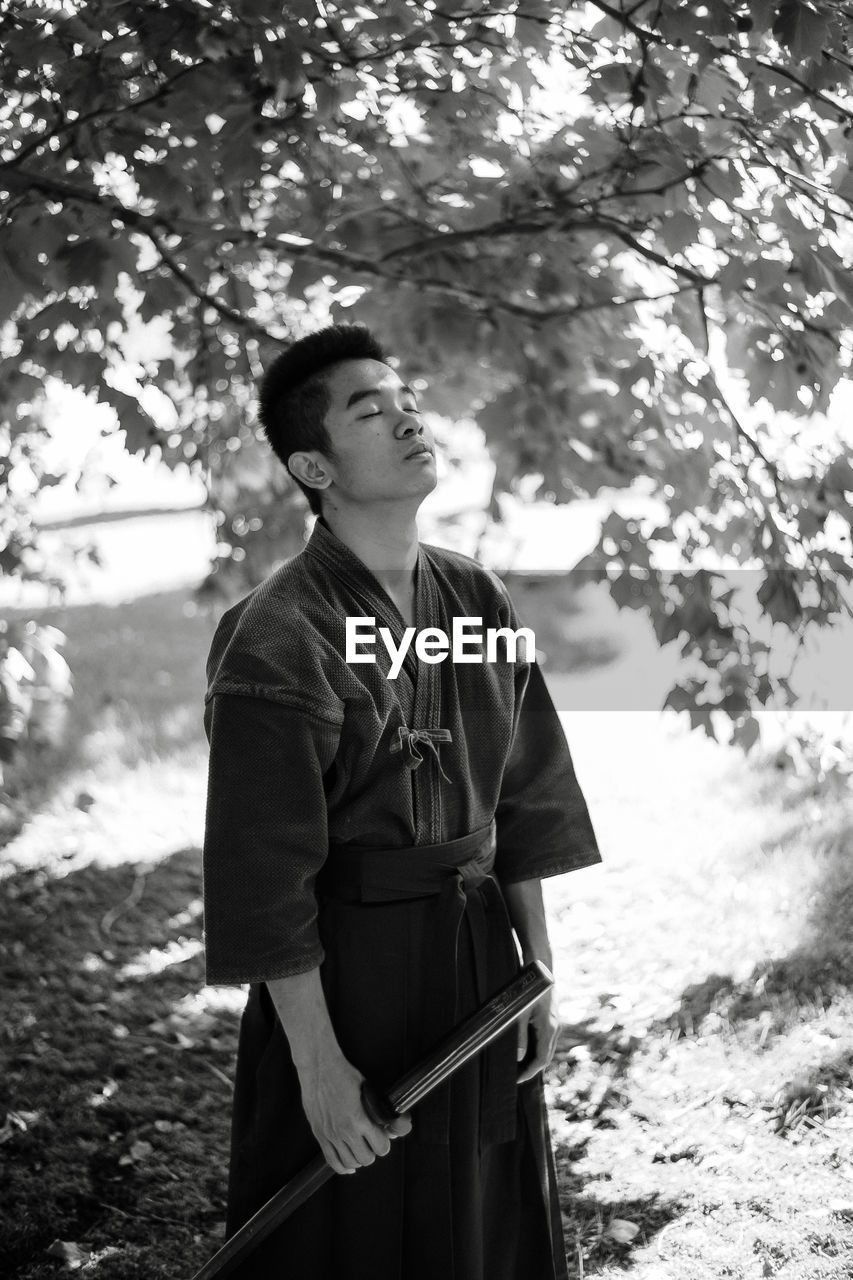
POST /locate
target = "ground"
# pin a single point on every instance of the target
(701, 1095)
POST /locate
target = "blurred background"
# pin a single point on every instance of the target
(611, 244)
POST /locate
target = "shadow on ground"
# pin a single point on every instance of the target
(115, 1074)
(588, 1082)
(819, 967)
(789, 1007)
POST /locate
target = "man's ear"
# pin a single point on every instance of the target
(311, 468)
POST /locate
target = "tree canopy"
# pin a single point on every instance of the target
(600, 229)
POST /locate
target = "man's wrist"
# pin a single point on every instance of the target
(301, 1007)
(315, 1053)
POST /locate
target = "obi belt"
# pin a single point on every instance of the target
(414, 939)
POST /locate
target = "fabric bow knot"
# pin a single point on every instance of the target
(407, 741)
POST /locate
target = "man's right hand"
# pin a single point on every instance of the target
(347, 1136)
(331, 1086)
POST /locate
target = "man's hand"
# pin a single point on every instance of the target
(347, 1136)
(537, 1034)
(331, 1086)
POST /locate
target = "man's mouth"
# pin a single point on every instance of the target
(418, 451)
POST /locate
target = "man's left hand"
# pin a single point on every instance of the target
(537, 1034)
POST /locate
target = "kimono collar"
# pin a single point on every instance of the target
(336, 556)
(325, 546)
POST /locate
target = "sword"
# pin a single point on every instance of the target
(455, 1049)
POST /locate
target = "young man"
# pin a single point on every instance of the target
(376, 834)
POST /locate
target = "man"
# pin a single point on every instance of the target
(373, 850)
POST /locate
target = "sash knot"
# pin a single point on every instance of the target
(407, 741)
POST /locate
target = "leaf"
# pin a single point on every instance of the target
(304, 273)
(12, 288)
(16, 1121)
(667, 628)
(722, 179)
(163, 295)
(141, 432)
(70, 1254)
(839, 475)
(697, 617)
(615, 78)
(801, 29)
(778, 598)
(680, 230)
(621, 1230)
(746, 733)
(735, 703)
(82, 262)
(680, 698)
(701, 718)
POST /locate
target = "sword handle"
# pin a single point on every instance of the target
(377, 1106)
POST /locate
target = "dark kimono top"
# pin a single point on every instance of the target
(306, 749)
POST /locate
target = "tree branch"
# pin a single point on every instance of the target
(744, 435)
(511, 227)
(211, 300)
(69, 126)
(153, 226)
(817, 94)
(624, 20)
(137, 221)
(646, 251)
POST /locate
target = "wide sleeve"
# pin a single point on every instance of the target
(265, 838)
(543, 824)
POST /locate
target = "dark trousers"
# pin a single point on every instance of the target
(463, 1209)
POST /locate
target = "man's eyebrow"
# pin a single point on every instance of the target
(374, 391)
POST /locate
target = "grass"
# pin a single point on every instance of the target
(701, 1094)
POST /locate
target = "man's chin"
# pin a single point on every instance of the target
(419, 484)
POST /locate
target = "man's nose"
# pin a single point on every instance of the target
(408, 425)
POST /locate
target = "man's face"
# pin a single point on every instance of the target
(382, 449)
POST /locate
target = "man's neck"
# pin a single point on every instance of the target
(385, 540)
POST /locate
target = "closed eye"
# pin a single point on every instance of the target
(375, 413)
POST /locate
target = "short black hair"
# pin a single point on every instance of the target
(294, 397)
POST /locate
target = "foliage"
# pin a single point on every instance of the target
(599, 228)
(35, 684)
(816, 760)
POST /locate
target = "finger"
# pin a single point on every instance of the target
(523, 1033)
(532, 1069)
(362, 1152)
(400, 1127)
(375, 1135)
(541, 1059)
(333, 1160)
(378, 1141)
(536, 1063)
